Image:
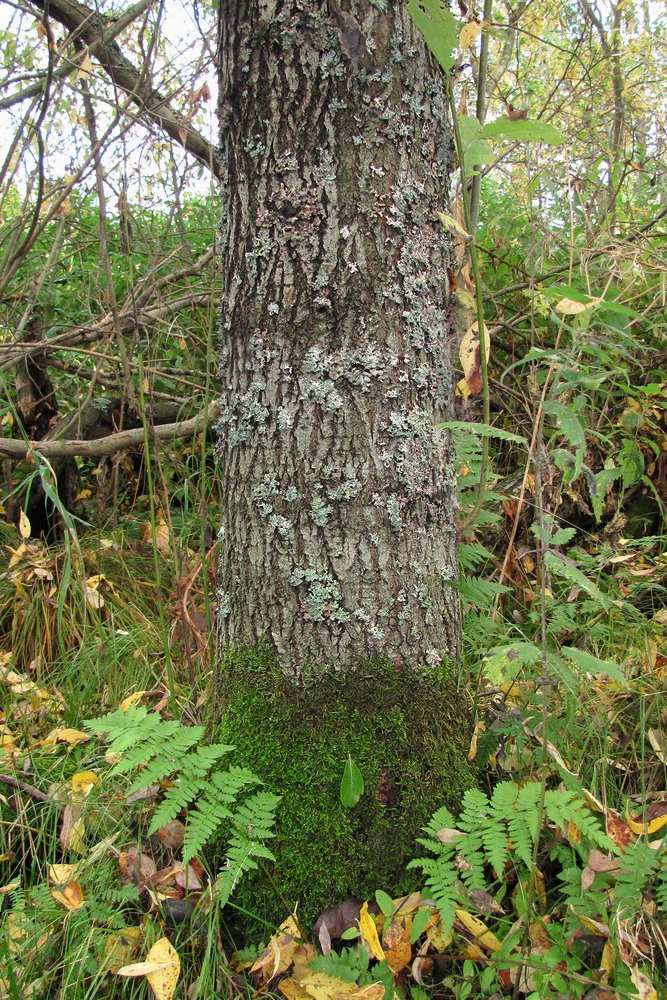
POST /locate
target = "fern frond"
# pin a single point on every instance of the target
(160, 749)
(441, 877)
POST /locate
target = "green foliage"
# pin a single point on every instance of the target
(495, 832)
(159, 749)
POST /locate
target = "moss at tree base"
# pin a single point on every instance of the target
(408, 733)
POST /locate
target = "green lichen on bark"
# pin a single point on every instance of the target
(406, 730)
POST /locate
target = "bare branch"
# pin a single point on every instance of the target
(112, 443)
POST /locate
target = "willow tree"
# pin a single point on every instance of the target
(339, 614)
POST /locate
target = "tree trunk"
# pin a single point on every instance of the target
(337, 601)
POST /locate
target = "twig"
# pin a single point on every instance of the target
(23, 786)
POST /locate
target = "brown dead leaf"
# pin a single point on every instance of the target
(396, 946)
(172, 834)
(617, 828)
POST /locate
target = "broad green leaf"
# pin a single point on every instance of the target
(570, 425)
(523, 130)
(439, 28)
(483, 430)
(475, 149)
(385, 902)
(352, 784)
(421, 918)
(591, 664)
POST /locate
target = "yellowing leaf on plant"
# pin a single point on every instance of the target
(449, 223)
(85, 67)
(369, 933)
(569, 307)
(83, 494)
(469, 354)
(24, 525)
(71, 896)
(479, 930)
(84, 781)
(470, 32)
(61, 874)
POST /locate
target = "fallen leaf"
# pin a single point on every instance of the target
(131, 699)
(73, 830)
(71, 896)
(645, 988)
(84, 781)
(61, 874)
(24, 526)
(479, 930)
(396, 946)
(369, 933)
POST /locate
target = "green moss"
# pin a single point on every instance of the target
(406, 730)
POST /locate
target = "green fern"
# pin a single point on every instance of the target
(495, 832)
(159, 749)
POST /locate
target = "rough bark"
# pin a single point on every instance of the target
(338, 540)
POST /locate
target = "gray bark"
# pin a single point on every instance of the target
(338, 542)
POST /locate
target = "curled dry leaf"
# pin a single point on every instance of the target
(71, 896)
(73, 830)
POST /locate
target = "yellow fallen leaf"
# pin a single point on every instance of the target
(83, 781)
(131, 699)
(61, 874)
(24, 526)
(63, 735)
(120, 947)
(71, 896)
(479, 930)
(436, 937)
(73, 830)
(163, 981)
(161, 968)
(645, 988)
(293, 990)
(374, 991)
(369, 933)
(320, 986)
(646, 828)
(136, 969)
